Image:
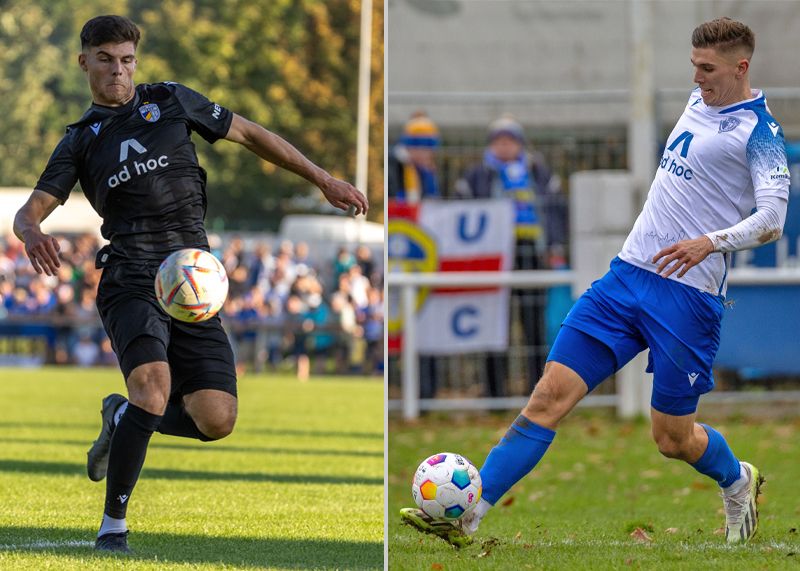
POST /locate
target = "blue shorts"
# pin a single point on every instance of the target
(630, 309)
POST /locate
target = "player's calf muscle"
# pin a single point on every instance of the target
(551, 400)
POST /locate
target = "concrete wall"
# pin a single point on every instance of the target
(454, 46)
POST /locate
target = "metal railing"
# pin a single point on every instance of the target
(632, 396)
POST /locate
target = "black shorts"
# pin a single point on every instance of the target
(199, 354)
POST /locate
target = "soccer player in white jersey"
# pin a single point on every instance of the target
(665, 290)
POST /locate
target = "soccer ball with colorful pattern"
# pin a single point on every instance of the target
(446, 486)
(191, 285)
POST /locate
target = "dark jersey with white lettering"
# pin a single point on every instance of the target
(138, 167)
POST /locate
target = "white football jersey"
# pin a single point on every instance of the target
(716, 161)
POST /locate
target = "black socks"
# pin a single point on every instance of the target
(126, 457)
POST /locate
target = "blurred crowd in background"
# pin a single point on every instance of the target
(286, 309)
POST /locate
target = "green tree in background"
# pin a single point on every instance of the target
(290, 65)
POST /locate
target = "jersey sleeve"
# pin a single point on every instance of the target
(209, 119)
(61, 172)
(766, 157)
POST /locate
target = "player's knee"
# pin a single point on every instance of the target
(148, 387)
(218, 426)
(671, 447)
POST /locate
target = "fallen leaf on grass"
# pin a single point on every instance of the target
(536, 496)
(629, 561)
(639, 524)
(508, 501)
(519, 534)
(700, 485)
(719, 531)
(487, 546)
(640, 535)
(671, 530)
(437, 566)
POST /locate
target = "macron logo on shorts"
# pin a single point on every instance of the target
(692, 378)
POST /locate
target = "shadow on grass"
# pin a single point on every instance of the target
(31, 467)
(315, 433)
(211, 447)
(34, 424)
(179, 548)
(320, 433)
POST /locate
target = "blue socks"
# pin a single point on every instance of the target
(514, 456)
(718, 461)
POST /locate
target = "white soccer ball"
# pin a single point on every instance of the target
(446, 486)
(191, 285)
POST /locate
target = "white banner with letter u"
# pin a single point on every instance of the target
(457, 236)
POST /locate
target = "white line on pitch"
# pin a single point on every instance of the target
(46, 545)
(686, 546)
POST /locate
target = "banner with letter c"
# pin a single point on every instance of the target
(452, 236)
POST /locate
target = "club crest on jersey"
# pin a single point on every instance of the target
(728, 124)
(150, 112)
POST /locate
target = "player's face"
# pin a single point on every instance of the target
(719, 76)
(110, 68)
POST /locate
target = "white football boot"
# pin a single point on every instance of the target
(741, 507)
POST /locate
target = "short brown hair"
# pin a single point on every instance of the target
(724, 34)
(109, 29)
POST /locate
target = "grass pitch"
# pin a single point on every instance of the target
(298, 485)
(600, 481)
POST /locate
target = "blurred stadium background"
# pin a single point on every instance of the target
(597, 86)
(306, 281)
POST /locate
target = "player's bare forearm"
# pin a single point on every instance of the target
(42, 249)
(685, 254)
(275, 149)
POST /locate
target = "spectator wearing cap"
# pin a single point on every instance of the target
(412, 161)
(412, 176)
(509, 170)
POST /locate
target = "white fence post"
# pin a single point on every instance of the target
(410, 355)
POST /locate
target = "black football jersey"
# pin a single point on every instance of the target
(138, 167)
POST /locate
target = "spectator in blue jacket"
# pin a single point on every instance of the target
(509, 170)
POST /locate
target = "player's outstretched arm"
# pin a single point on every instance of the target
(278, 151)
(41, 248)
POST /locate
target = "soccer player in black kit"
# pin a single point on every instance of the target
(135, 160)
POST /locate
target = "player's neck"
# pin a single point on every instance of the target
(742, 94)
(113, 104)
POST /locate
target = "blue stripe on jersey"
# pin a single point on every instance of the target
(725, 258)
(760, 103)
(766, 149)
